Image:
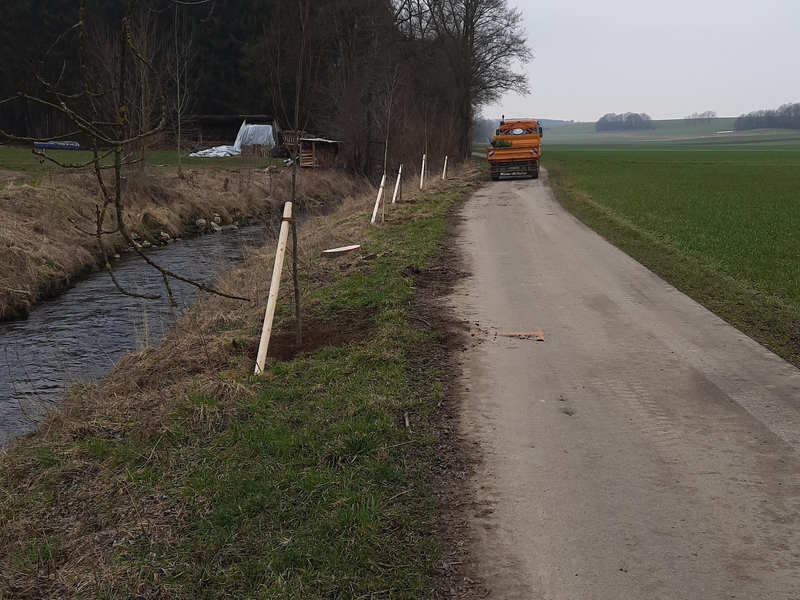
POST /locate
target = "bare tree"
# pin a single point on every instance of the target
(483, 40)
(703, 117)
(292, 70)
(143, 93)
(110, 136)
(145, 90)
(181, 58)
(384, 110)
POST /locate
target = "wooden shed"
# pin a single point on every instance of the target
(318, 153)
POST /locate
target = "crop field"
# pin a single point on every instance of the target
(664, 128)
(722, 225)
(673, 133)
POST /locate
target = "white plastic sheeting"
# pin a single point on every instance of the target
(249, 135)
(255, 135)
(218, 152)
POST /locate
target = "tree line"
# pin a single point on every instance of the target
(784, 117)
(624, 122)
(698, 118)
(389, 78)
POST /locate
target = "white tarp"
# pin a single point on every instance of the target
(249, 135)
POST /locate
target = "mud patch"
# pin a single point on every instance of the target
(318, 334)
(456, 574)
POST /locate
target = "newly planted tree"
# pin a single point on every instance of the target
(180, 69)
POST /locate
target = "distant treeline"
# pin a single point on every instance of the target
(698, 118)
(785, 117)
(627, 122)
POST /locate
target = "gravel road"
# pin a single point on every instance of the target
(634, 445)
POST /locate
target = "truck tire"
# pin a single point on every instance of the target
(495, 177)
(535, 174)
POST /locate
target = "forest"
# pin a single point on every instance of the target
(785, 117)
(414, 72)
(625, 122)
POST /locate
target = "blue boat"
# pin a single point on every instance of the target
(57, 145)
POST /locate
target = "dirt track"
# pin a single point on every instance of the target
(645, 449)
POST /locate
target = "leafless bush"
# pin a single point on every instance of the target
(128, 56)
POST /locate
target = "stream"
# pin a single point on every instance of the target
(81, 335)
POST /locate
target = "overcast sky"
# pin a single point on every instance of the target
(665, 58)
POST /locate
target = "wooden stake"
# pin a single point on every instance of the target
(378, 201)
(444, 171)
(397, 184)
(296, 279)
(422, 173)
(272, 301)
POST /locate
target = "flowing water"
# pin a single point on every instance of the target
(80, 335)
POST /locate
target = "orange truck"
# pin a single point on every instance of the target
(516, 148)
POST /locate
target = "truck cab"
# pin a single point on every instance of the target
(516, 149)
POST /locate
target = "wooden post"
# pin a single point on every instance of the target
(296, 279)
(422, 173)
(272, 301)
(444, 171)
(378, 201)
(397, 184)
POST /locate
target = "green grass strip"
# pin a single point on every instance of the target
(309, 486)
(681, 245)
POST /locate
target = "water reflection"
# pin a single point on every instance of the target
(80, 335)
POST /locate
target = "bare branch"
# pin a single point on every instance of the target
(172, 302)
(17, 138)
(125, 292)
(93, 233)
(43, 155)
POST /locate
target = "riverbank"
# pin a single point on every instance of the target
(183, 476)
(44, 247)
(59, 343)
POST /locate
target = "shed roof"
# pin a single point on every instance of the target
(317, 139)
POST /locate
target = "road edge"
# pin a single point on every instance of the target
(768, 320)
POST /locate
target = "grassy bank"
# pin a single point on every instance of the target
(673, 134)
(43, 244)
(719, 225)
(184, 476)
(25, 164)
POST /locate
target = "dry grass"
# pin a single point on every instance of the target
(74, 519)
(42, 251)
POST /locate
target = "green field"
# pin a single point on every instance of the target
(664, 128)
(22, 160)
(672, 133)
(722, 225)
